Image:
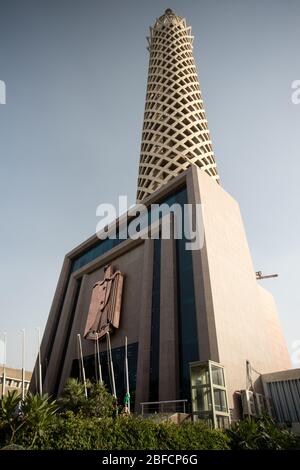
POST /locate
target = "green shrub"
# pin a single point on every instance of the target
(22, 422)
(198, 436)
(100, 403)
(73, 396)
(72, 432)
(128, 433)
(90, 423)
(260, 434)
(13, 447)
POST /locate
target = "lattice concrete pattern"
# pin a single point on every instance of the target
(175, 132)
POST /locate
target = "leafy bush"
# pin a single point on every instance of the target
(261, 434)
(23, 422)
(73, 396)
(81, 423)
(9, 414)
(128, 433)
(13, 447)
(99, 403)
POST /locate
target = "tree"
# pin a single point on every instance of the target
(37, 413)
(99, 403)
(9, 414)
(73, 397)
(25, 421)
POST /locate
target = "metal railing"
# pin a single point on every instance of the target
(166, 406)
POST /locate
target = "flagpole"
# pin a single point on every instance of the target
(98, 360)
(23, 364)
(82, 364)
(4, 366)
(127, 377)
(112, 369)
(39, 363)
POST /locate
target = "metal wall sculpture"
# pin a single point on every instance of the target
(105, 306)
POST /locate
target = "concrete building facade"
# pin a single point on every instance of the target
(11, 379)
(193, 317)
(283, 390)
(178, 307)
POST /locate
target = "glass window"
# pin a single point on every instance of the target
(187, 322)
(222, 422)
(205, 419)
(200, 376)
(118, 356)
(217, 375)
(209, 399)
(220, 400)
(155, 325)
(202, 398)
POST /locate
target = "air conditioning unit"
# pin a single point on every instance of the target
(248, 403)
(261, 404)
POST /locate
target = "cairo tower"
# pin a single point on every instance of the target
(196, 321)
(175, 133)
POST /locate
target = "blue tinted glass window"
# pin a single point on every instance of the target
(155, 325)
(118, 357)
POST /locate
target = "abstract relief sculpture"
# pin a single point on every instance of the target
(105, 305)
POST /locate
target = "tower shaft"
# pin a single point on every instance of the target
(175, 132)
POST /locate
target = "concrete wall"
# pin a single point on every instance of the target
(236, 317)
(245, 318)
(130, 263)
(13, 379)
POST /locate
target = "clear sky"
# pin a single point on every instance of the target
(75, 73)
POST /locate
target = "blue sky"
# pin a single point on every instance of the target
(70, 132)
